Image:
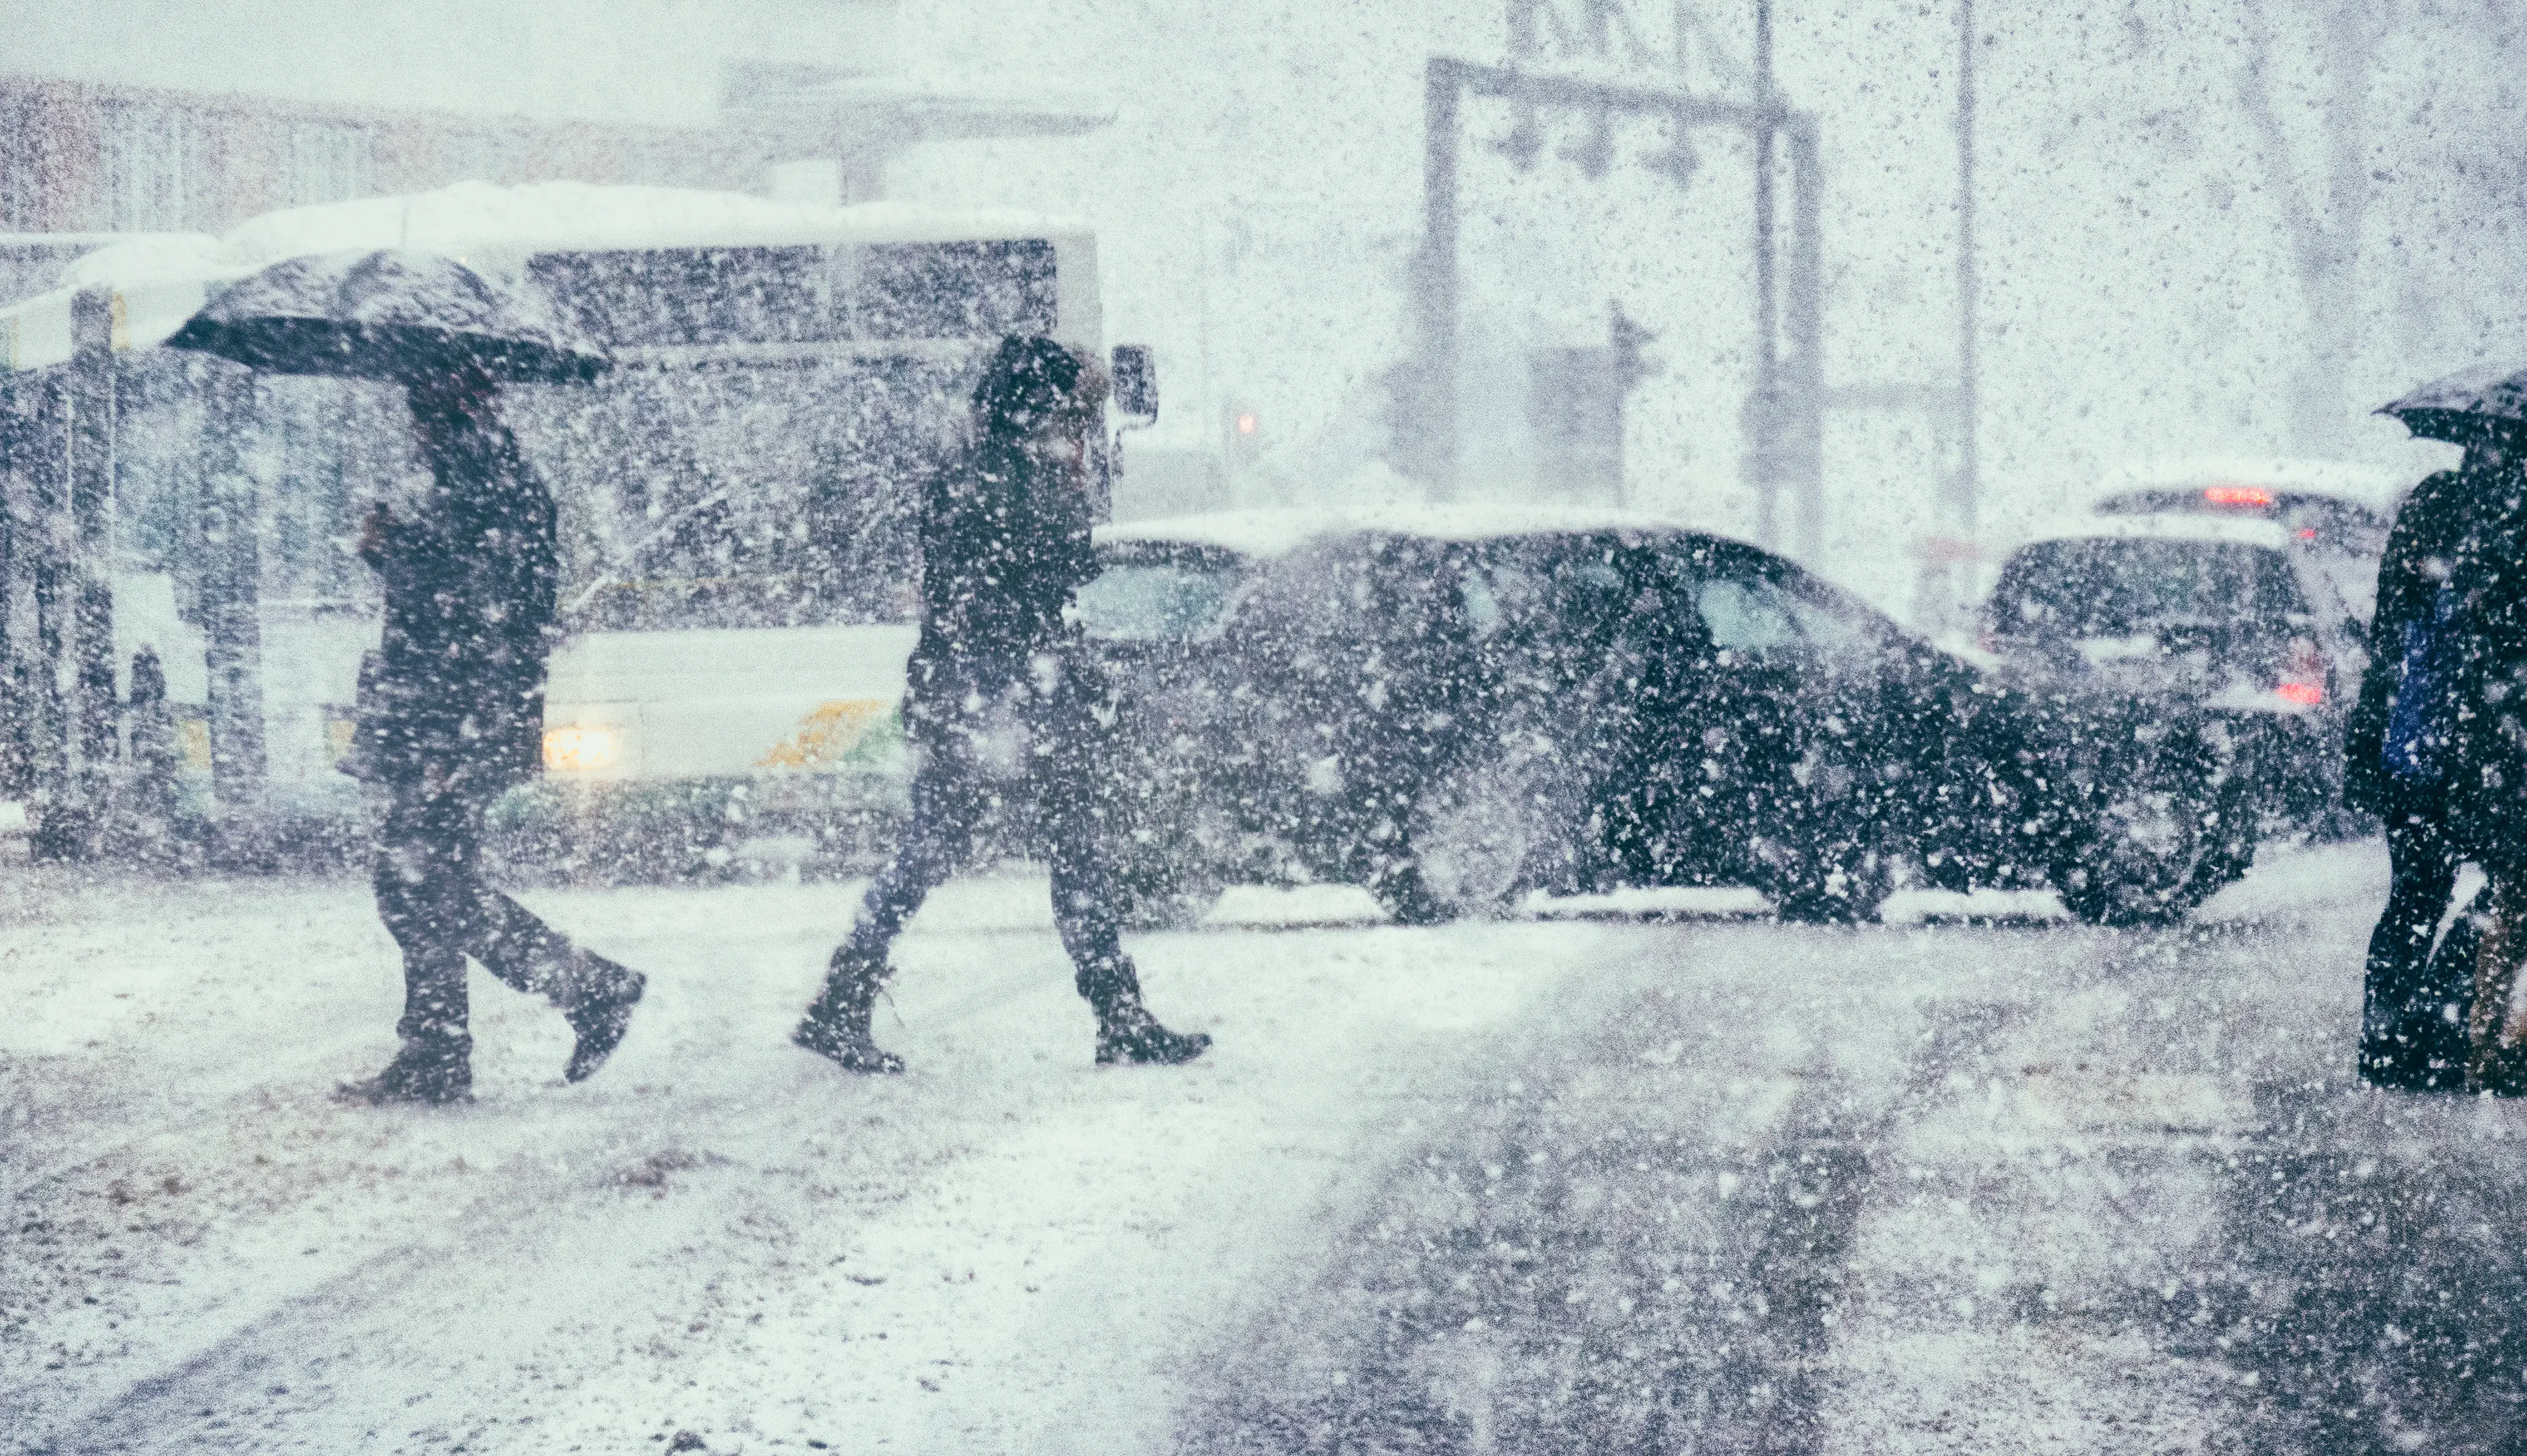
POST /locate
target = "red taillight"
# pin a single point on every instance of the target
(2304, 686)
(2237, 495)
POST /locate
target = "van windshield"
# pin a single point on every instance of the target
(746, 497)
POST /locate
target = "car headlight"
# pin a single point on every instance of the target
(580, 748)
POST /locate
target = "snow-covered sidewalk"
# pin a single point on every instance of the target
(1005, 1250)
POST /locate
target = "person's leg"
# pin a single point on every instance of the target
(2489, 1061)
(595, 994)
(946, 794)
(2405, 1029)
(1087, 900)
(420, 899)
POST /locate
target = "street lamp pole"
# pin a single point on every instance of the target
(1764, 419)
(1967, 503)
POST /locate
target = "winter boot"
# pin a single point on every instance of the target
(433, 1070)
(1127, 1035)
(837, 1024)
(602, 1014)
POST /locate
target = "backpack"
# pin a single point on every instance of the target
(2422, 718)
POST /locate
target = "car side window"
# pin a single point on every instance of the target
(1747, 615)
(1835, 629)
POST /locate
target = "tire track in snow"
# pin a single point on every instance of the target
(1633, 1246)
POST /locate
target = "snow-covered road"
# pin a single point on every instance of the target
(1605, 1182)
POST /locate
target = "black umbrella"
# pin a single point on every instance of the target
(392, 314)
(2460, 408)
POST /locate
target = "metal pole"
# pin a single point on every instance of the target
(1802, 412)
(96, 719)
(1967, 503)
(1763, 417)
(1439, 283)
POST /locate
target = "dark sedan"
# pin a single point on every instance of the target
(1454, 708)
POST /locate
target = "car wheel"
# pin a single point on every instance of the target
(1845, 883)
(2154, 846)
(1467, 844)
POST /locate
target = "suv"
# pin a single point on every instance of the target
(2187, 677)
(2337, 515)
(1452, 709)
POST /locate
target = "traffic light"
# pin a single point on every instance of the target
(1245, 433)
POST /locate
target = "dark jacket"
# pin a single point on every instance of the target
(2488, 799)
(2421, 553)
(1005, 543)
(471, 588)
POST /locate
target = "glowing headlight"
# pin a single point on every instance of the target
(579, 749)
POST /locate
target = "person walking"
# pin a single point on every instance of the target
(2413, 1009)
(1002, 700)
(450, 717)
(2488, 801)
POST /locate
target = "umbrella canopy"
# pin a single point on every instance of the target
(2462, 406)
(390, 314)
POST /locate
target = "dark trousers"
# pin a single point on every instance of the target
(978, 737)
(2408, 1018)
(430, 895)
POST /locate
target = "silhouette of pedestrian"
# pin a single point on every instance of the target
(1003, 699)
(450, 717)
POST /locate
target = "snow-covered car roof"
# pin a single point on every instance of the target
(1277, 532)
(2369, 486)
(2237, 531)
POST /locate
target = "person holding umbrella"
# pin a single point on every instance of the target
(1002, 697)
(2456, 721)
(452, 704)
(2412, 1029)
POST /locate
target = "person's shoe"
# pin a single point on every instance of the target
(836, 1023)
(431, 1072)
(601, 1020)
(1132, 1037)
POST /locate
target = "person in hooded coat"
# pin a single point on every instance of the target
(2414, 1006)
(451, 716)
(2488, 790)
(1002, 700)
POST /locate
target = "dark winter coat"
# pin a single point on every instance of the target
(457, 684)
(1005, 543)
(2421, 553)
(2487, 792)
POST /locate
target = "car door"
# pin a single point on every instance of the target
(1868, 710)
(1725, 750)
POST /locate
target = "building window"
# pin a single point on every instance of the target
(326, 162)
(153, 161)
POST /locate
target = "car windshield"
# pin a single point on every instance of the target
(1156, 601)
(2115, 589)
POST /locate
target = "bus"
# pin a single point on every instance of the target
(737, 498)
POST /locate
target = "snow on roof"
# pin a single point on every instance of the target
(163, 279)
(2242, 530)
(2372, 486)
(505, 223)
(1277, 532)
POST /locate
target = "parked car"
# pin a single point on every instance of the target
(2186, 678)
(1452, 707)
(2336, 514)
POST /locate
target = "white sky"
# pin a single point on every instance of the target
(1260, 192)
